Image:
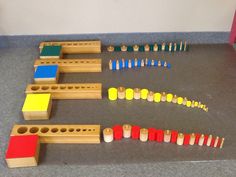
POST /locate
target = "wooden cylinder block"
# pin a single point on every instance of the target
(110, 65)
(155, 47)
(150, 96)
(185, 101)
(163, 96)
(123, 48)
(108, 135)
(136, 48)
(142, 63)
(209, 140)
(201, 140)
(167, 136)
(180, 139)
(146, 48)
(192, 139)
(68, 91)
(137, 94)
(222, 142)
(127, 130)
(174, 100)
(216, 141)
(121, 92)
(60, 133)
(110, 48)
(143, 134)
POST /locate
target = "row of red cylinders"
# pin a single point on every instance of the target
(158, 135)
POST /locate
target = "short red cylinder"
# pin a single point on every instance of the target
(159, 135)
(117, 132)
(212, 142)
(186, 139)
(174, 136)
(135, 132)
(197, 137)
(151, 134)
(205, 139)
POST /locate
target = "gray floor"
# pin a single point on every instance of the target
(205, 73)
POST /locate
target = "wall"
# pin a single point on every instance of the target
(18, 17)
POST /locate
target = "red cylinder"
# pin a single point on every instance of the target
(212, 142)
(117, 132)
(159, 135)
(205, 139)
(197, 136)
(151, 134)
(186, 139)
(135, 132)
(174, 135)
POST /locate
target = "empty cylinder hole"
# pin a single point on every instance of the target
(78, 129)
(44, 87)
(77, 87)
(47, 62)
(42, 62)
(71, 129)
(89, 130)
(54, 87)
(34, 88)
(63, 130)
(44, 130)
(34, 130)
(54, 130)
(84, 130)
(70, 87)
(62, 87)
(22, 130)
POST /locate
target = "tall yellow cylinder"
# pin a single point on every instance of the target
(112, 93)
(129, 94)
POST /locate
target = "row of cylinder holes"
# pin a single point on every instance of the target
(65, 62)
(35, 88)
(33, 130)
(68, 44)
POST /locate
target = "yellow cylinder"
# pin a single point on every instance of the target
(169, 97)
(180, 100)
(157, 97)
(144, 93)
(129, 94)
(188, 104)
(112, 93)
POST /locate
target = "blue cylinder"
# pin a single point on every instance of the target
(114, 65)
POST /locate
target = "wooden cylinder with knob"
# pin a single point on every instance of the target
(108, 135)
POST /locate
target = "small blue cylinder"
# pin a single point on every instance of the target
(149, 63)
(168, 65)
(114, 65)
(155, 63)
(120, 64)
(162, 63)
(132, 63)
(126, 63)
(139, 63)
